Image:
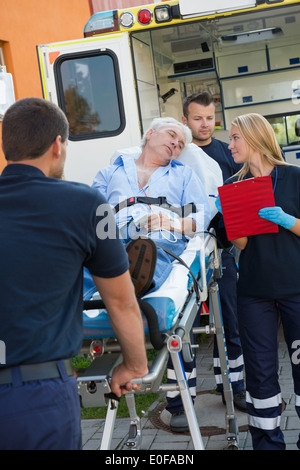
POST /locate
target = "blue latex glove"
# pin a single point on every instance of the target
(278, 216)
(218, 204)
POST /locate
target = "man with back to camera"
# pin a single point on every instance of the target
(199, 116)
(48, 234)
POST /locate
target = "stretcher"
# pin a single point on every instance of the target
(168, 315)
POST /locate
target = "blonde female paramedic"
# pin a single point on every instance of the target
(269, 273)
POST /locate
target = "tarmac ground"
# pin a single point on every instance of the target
(210, 412)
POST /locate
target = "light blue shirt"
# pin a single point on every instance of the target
(177, 182)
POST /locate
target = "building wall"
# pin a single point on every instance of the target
(24, 25)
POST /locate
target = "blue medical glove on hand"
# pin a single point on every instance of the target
(218, 204)
(278, 216)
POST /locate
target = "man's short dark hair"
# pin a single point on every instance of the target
(29, 128)
(204, 98)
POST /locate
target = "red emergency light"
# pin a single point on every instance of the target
(144, 16)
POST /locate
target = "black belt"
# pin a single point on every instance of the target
(42, 371)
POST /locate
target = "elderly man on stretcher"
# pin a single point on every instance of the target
(160, 203)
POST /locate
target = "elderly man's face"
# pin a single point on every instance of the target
(167, 141)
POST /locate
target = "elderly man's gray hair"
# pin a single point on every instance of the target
(157, 123)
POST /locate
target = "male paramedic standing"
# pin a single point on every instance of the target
(48, 233)
(199, 116)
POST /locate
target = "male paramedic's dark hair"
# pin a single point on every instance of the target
(204, 98)
(29, 128)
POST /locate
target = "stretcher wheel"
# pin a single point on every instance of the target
(187, 353)
(232, 447)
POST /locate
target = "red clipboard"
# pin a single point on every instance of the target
(240, 204)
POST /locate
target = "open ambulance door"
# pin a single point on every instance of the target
(94, 82)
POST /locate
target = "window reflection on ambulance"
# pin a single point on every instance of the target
(286, 129)
(90, 94)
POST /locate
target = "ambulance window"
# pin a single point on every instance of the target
(292, 123)
(285, 127)
(279, 128)
(89, 92)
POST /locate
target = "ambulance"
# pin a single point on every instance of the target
(135, 64)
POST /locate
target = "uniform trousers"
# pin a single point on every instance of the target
(228, 299)
(258, 322)
(41, 414)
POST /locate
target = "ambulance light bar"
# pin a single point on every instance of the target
(144, 16)
(107, 21)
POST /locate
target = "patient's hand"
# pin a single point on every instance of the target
(162, 221)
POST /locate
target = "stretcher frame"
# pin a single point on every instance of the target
(93, 383)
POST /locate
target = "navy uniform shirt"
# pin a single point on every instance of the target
(48, 233)
(270, 263)
(219, 151)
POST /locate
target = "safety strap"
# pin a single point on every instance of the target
(157, 201)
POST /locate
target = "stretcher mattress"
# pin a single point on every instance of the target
(168, 301)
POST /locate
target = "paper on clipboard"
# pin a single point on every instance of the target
(240, 204)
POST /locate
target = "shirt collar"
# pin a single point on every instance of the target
(22, 169)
